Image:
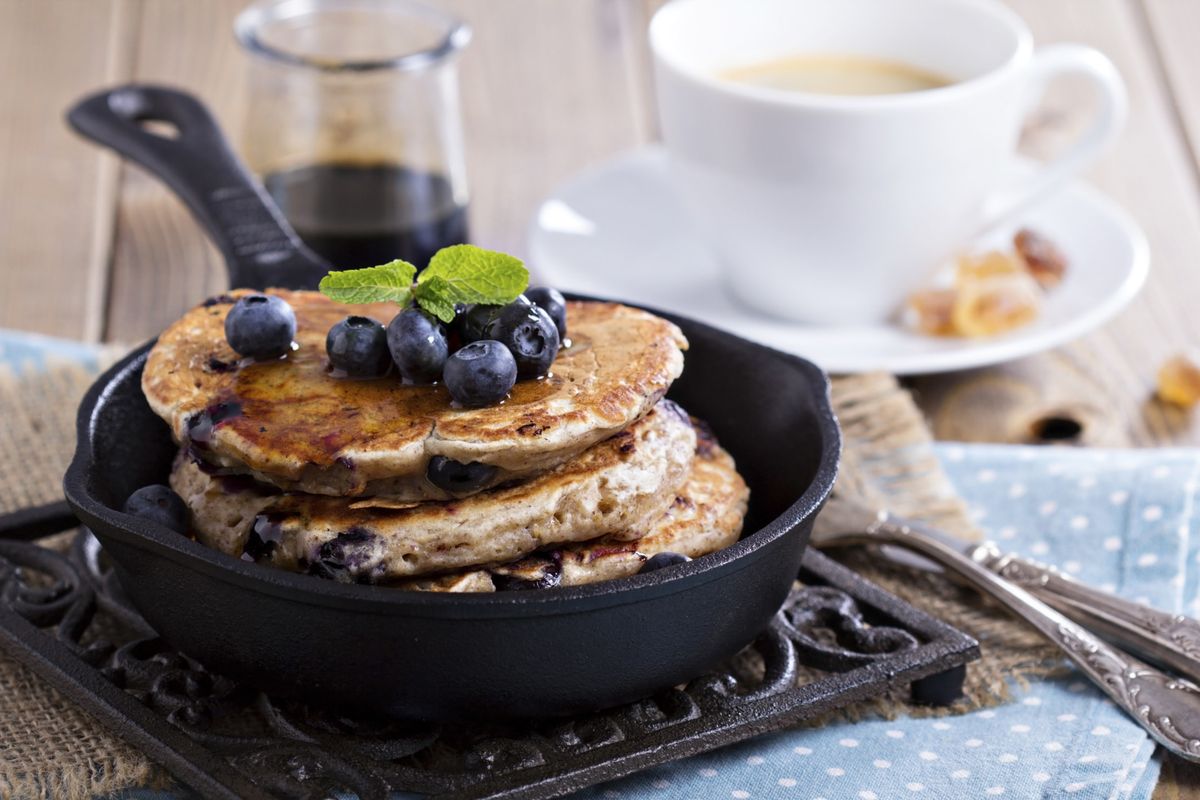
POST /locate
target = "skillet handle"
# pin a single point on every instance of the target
(259, 245)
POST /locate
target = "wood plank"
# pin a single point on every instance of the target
(548, 89)
(1174, 25)
(1149, 172)
(162, 263)
(527, 128)
(56, 190)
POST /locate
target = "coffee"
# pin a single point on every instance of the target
(363, 215)
(837, 74)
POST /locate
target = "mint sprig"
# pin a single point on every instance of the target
(474, 275)
(434, 295)
(387, 282)
(461, 273)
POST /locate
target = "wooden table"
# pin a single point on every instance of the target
(97, 250)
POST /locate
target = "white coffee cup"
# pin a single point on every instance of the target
(831, 209)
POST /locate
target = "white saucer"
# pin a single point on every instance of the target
(618, 230)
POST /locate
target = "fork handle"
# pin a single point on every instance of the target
(1166, 707)
(1170, 640)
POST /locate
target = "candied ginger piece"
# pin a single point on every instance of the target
(992, 263)
(1045, 262)
(1179, 381)
(995, 304)
(934, 311)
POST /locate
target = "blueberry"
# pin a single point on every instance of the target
(553, 303)
(200, 426)
(475, 319)
(418, 345)
(359, 347)
(459, 478)
(547, 577)
(265, 535)
(454, 331)
(261, 326)
(158, 503)
(664, 559)
(470, 321)
(480, 373)
(346, 558)
(530, 333)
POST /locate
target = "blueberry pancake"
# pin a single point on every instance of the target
(292, 423)
(616, 488)
(705, 516)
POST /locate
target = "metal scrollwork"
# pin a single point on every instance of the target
(1169, 707)
(46, 589)
(779, 663)
(1179, 629)
(1023, 572)
(291, 749)
(849, 642)
(1173, 639)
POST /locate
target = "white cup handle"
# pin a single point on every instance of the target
(1048, 64)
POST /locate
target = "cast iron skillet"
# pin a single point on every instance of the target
(437, 656)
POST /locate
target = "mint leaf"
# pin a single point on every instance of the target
(434, 295)
(470, 274)
(387, 282)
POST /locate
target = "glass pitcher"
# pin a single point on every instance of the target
(354, 124)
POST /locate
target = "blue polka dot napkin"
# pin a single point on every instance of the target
(22, 352)
(1120, 520)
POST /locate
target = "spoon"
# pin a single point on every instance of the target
(1168, 708)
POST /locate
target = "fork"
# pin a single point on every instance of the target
(1168, 708)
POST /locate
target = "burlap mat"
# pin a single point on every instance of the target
(51, 749)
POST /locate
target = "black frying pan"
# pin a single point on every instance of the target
(424, 655)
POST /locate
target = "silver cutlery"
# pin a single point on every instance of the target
(1168, 708)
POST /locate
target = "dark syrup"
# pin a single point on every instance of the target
(360, 215)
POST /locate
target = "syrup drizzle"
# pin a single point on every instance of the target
(264, 537)
(200, 426)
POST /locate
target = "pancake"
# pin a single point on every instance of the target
(292, 424)
(614, 488)
(705, 516)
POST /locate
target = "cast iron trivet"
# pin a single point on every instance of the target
(227, 741)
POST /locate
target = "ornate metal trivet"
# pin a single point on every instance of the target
(228, 741)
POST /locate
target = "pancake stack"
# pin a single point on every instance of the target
(586, 473)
